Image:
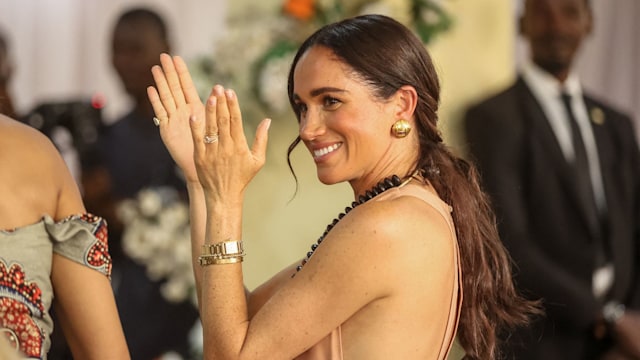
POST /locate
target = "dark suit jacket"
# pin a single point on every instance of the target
(542, 222)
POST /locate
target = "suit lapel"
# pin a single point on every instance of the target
(605, 146)
(539, 124)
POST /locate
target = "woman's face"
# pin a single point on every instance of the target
(345, 128)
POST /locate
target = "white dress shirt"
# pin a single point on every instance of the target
(548, 90)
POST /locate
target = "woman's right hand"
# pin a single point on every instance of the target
(224, 160)
(174, 101)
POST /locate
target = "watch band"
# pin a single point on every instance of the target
(224, 249)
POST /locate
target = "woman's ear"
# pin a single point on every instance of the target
(406, 100)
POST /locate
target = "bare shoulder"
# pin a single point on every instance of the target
(402, 219)
(403, 235)
(34, 174)
(25, 143)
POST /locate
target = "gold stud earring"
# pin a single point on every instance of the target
(401, 128)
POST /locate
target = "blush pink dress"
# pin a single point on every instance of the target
(330, 347)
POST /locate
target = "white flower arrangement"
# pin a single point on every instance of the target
(157, 235)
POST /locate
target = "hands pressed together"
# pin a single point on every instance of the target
(206, 141)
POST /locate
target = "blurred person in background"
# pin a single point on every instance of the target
(132, 157)
(6, 69)
(563, 171)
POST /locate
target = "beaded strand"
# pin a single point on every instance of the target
(382, 186)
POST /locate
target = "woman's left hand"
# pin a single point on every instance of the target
(174, 100)
(224, 161)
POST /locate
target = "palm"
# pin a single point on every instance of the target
(177, 138)
(174, 101)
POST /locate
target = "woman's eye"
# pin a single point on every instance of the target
(302, 108)
(330, 102)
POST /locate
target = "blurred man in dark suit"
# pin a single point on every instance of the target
(563, 170)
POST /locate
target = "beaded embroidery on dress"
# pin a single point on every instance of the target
(26, 292)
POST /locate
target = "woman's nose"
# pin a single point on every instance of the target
(311, 126)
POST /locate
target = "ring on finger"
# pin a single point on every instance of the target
(210, 138)
(156, 121)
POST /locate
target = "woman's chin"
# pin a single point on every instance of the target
(328, 179)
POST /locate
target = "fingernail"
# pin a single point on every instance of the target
(268, 124)
(229, 94)
(213, 101)
(193, 118)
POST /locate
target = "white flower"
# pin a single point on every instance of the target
(175, 290)
(174, 216)
(149, 202)
(127, 210)
(157, 235)
(272, 83)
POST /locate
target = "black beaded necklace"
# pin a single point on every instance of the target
(382, 186)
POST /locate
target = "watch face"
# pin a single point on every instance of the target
(232, 247)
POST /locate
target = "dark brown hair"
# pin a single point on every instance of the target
(387, 55)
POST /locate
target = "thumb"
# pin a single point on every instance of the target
(259, 147)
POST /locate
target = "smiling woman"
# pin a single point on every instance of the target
(419, 234)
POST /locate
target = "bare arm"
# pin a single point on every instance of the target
(84, 299)
(87, 311)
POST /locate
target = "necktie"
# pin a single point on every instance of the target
(583, 177)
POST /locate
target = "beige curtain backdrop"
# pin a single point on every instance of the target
(474, 59)
(611, 58)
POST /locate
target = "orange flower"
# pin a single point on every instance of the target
(300, 9)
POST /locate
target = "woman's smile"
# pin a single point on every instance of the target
(322, 152)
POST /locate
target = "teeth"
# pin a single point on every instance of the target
(325, 151)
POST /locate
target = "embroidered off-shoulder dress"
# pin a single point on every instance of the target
(26, 292)
(330, 347)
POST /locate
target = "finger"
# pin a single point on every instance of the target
(259, 148)
(190, 92)
(156, 104)
(197, 135)
(235, 116)
(172, 79)
(163, 89)
(222, 112)
(210, 114)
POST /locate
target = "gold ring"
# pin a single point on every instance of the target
(210, 138)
